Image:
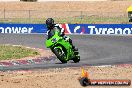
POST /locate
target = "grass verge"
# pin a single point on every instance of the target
(8, 52)
(70, 20)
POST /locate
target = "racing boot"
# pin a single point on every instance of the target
(73, 47)
(70, 41)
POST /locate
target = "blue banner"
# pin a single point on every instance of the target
(23, 28)
(122, 29)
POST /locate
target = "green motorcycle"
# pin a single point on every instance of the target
(61, 48)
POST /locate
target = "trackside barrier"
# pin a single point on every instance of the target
(108, 29)
(22, 28)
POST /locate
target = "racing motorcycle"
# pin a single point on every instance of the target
(61, 48)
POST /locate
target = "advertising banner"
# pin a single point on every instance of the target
(105, 29)
(122, 29)
(23, 28)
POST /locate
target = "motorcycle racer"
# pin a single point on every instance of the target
(51, 25)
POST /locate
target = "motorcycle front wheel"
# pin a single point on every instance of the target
(60, 54)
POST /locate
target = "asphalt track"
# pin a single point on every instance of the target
(94, 49)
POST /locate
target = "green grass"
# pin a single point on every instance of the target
(72, 20)
(8, 52)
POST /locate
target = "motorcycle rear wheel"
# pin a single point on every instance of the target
(76, 59)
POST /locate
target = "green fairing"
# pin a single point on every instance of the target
(61, 48)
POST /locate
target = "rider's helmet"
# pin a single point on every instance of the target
(50, 23)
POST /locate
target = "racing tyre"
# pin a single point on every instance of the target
(84, 81)
(60, 55)
(76, 59)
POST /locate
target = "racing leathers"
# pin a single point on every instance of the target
(62, 34)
